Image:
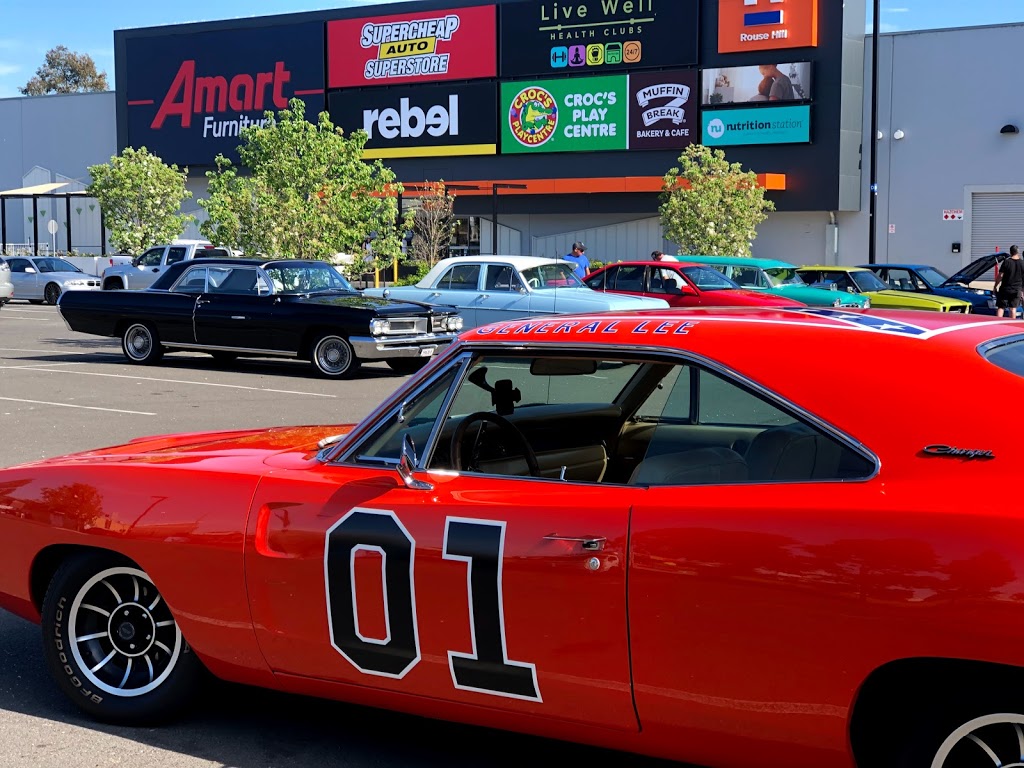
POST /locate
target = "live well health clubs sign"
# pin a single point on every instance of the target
(651, 110)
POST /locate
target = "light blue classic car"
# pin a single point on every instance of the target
(489, 289)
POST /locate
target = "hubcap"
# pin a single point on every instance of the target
(139, 342)
(333, 356)
(996, 740)
(122, 634)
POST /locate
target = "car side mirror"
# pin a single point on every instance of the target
(687, 290)
(30, 271)
(406, 465)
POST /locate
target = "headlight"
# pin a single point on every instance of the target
(867, 303)
(454, 323)
(837, 303)
(379, 327)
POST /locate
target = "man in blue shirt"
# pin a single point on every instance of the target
(577, 257)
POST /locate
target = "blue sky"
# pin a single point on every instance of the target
(28, 29)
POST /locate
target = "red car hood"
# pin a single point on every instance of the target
(742, 297)
(254, 445)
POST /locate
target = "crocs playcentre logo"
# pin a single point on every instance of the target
(533, 116)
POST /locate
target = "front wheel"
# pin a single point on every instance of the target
(991, 734)
(141, 345)
(407, 365)
(112, 643)
(51, 293)
(334, 357)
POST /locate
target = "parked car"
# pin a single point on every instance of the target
(257, 308)
(146, 268)
(921, 278)
(864, 281)
(6, 286)
(681, 284)
(659, 532)
(94, 265)
(778, 278)
(489, 289)
(44, 279)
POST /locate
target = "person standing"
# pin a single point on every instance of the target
(1009, 284)
(659, 256)
(579, 259)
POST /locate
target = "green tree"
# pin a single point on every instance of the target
(66, 72)
(710, 206)
(308, 194)
(140, 197)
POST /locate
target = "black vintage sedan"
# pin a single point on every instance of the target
(261, 308)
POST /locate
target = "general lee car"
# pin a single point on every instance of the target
(671, 532)
(261, 308)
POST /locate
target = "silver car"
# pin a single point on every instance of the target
(6, 286)
(44, 278)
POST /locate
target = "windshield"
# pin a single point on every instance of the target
(783, 276)
(55, 265)
(867, 281)
(708, 279)
(932, 276)
(551, 276)
(306, 277)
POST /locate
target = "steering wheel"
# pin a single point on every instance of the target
(506, 426)
(533, 282)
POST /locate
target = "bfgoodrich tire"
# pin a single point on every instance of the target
(113, 645)
(141, 345)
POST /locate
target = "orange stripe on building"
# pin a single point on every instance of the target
(775, 182)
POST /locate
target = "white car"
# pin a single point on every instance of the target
(146, 268)
(490, 289)
(44, 278)
(6, 286)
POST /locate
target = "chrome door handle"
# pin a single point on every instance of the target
(589, 543)
(238, 317)
(484, 296)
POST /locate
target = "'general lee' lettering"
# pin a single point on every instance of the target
(190, 95)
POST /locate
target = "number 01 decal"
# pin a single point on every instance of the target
(477, 543)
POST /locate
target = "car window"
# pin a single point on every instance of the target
(628, 278)
(174, 255)
(600, 280)
(461, 277)
(19, 265)
(193, 281)
(151, 258)
(867, 280)
(708, 279)
(558, 275)
(664, 280)
(294, 277)
(502, 277)
(1008, 354)
(609, 420)
(900, 280)
(237, 280)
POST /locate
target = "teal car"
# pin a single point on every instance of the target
(779, 278)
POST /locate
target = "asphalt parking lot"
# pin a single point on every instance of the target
(61, 392)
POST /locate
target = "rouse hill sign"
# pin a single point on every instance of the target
(189, 96)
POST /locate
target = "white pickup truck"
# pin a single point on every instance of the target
(94, 265)
(146, 268)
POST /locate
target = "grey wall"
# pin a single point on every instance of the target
(63, 134)
(950, 91)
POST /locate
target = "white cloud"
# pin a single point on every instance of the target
(895, 10)
(8, 69)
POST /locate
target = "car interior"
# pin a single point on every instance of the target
(634, 422)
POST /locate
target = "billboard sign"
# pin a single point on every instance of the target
(421, 120)
(583, 114)
(189, 96)
(411, 47)
(765, 83)
(757, 125)
(662, 109)
(763, 25)
(594, 36)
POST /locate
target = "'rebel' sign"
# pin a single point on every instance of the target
(188, 97)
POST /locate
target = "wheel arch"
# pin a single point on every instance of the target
(314, 332)
(896, 699)
(50, 559)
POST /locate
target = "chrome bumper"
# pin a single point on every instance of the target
(384, 347)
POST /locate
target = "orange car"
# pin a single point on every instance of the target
(677, 532)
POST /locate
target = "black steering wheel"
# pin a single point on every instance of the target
(506, 426)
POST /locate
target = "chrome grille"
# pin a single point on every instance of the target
(407, 325)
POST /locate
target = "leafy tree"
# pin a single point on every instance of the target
(710, 206)
(66, 72)
(308, 193)
(140, 197)
(433, 224)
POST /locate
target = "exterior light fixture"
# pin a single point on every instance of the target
(1009, 128)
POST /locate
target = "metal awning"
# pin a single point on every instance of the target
(41, 189)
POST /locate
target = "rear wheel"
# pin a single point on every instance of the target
(51, 293)
(113, 645)
(969, 735)
(334, 357)
(112, 284)
(141, 344)
(407, 365)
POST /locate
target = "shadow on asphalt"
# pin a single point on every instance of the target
(252, 728)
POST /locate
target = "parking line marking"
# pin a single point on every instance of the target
(34, 365)
(180, 381)
(30, 319)
(69, 405)
(53, 350)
